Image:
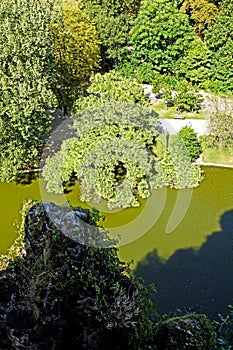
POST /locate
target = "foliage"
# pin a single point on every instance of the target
(160, 35)
(219, 39)
(200, 12)
(143, 73)
(220, 130)
(118, 305)
(113, 21)
(191, 142)
(186, 99)
(114, 157)
(167, 95)
(183, 96)
(191, 332)
(164, 83)
(111, 87)
(111, 155)
(217, 155)
(77, 54)
(26, 77)
(224, 330)
(195, 65)
(92, 297)
(178, 168)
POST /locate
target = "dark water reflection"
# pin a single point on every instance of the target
(195, 280)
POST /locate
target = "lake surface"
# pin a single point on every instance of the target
(191, 265)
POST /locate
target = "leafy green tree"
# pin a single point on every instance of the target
(191, 142)
(26, 76)
(143, 73)
(220, 130)
(186, 98)
(200, 12)
(114, 157)
(111, 87)
(195, 66)
(219, 39)
(160, 35)
(179, 171)
(77, 54)
(112, 19)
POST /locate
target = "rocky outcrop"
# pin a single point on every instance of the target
(192, 332)
(63, 294)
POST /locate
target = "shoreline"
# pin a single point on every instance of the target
(198, 162)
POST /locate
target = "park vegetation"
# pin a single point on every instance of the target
(52, 50)
(89, 59)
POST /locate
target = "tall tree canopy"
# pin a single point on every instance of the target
(195, 66)
(77, 53)
(219, 38)
(112, 19)
(161, 34)
(200, 12)
(26, 71)
(114, 87)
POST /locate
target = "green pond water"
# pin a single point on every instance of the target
(185, 248)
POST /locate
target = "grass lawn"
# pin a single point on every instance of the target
(222, 156)
(165, 112)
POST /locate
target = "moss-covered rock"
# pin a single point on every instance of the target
(191, 332)
(65, 295)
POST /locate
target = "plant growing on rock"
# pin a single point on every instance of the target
(64, 294)
(190, 332)
(224, 330)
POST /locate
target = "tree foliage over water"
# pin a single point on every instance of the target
(114, 157)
